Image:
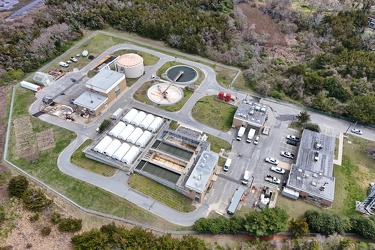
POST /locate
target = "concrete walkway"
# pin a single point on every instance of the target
(338, 161)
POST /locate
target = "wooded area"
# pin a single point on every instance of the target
(330, 66)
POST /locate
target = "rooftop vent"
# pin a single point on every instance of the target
(300, 170)
(313, 183)
(315, 175)
(299, 178)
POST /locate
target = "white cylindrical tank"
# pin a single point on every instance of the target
(147, 121)
(131, 155)
(31, 86)
(111, 149)
(144, 139)
(130, 116)
(139, 118)
(135, 135)
(155, 125)
(131, 65)
(117, 129)
(103, 144)
(121, 151)
(126, 132)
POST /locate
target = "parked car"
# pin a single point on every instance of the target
(292, 138)
(272, 179)
(316, 156)
(356, 131)
(73, 59)
(287, 154)
(272, 160)
(290, 142)
(256, 140)
(63, 64)
(278, 170)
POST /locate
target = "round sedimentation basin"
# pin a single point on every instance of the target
(164, 94)
(182, 74)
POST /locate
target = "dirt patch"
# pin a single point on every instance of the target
(25, 140)
(45, 139)
(262, 23)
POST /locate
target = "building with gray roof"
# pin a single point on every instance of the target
(250, 114)
(312, 174)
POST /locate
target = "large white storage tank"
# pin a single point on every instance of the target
(111, 149)
(121, 151)
(103, 144)
(147, 121)
(155, 125)
(144, 139)
(131, 155)
(139, 118)
(135, 135)
(117, 129)
(131, 65)
(31, 86)
(126, 132)
(130, 116)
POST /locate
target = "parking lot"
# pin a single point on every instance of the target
(249, 157)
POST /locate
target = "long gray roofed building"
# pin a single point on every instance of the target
(312, 174)
(105, 81)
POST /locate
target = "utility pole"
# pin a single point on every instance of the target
(355, 124)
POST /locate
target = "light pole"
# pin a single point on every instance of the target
(355, 124)
(252, 180)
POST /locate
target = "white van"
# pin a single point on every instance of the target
(117, 114)
(256, 140)
(227, 164)
(63, 64)
(246, 177)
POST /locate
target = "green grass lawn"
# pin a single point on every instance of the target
(45, 169)
(294, 208)
(79, 159)
(148, 59)
(218, 143)
(215, 114)
(161, 193)
(224, 76)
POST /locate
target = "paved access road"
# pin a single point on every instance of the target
(280, 116)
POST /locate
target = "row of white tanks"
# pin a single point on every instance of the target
(143, 120)
(117, 150)
(131, 134)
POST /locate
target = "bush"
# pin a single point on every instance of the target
(104, 125)
(45, 231)
(2, 215)
(29, 245)
(17, 186)
(35, 200)
(34, 218)
(70, 225)
(312, 126)
(55, 218)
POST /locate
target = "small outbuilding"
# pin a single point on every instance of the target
(139, 118)
(126, 132)
(131, 155)
(103, 144)
(130, 115)
(111, 149)
(42, 78)
(144, 139)
(155, 125)
(147, 121)
(117, 129)
(135, 135)
(121, 151)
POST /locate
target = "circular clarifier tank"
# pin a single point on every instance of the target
(182, 74)
(165, 94)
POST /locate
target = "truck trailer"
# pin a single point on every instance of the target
(250, 135)
(241, 131)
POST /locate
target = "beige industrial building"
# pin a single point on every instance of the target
(101, 90)
(250, 114)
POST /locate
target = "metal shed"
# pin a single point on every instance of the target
(139, 118)
(131, 155)
(144, 139)
(130, 116)
(116, 130)
(121, 151)
(111, 149)
(135, 135)
(103, 144)
(124, 134)
(155, 125)
(147, 121)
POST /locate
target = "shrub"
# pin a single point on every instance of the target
(2, 215)
(34, 218)
(312, 126)
(104, 125)
(45, 231)
(17, 186)
(70, 225)
(55, 218)
(35, 200)
(29, 245)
